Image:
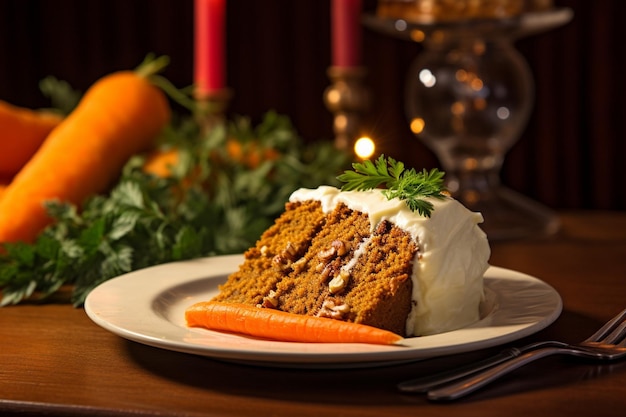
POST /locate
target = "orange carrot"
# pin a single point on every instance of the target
(278, 325)
(160, 162)
(120, 115)
(22, 131)
(3, 188)
(250, 154)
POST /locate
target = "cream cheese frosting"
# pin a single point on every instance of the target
(449, 265)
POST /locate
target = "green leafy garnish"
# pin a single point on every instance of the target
(408, 185)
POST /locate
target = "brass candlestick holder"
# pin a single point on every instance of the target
(348, 99)
(211, 108)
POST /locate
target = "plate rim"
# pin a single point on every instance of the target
(105, 305)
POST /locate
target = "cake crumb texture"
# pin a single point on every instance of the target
(266, 263)
(380, 294)
(304, 290)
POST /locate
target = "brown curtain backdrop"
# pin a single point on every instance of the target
(571, 154)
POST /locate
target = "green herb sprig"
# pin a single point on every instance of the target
(406, 184)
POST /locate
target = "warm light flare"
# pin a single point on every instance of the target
(418, 35)
(417, 125)
(364, 147)
(477, 84)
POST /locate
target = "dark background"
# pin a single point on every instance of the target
(570, 156)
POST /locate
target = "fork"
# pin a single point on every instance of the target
(609, 348)
(611, 331)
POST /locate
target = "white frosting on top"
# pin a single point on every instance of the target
(449, 266)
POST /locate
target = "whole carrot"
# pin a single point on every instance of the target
(120, 115)
(282, 326)
(22, 131)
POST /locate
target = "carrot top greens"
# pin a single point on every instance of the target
(405, 184)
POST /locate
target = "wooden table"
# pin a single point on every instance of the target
(55, 361)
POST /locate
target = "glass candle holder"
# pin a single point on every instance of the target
(469, 95)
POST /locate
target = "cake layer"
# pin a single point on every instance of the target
(286, 240)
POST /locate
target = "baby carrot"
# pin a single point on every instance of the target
(120, 115)
(279, 325)
(22, 132)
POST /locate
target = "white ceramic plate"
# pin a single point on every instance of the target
(147, 306)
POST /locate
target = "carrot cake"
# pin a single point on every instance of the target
(363, 257)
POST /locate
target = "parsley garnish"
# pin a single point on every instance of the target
(408, 185)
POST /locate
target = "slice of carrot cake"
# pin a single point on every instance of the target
(411, 263)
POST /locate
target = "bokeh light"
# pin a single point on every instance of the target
(364, 147)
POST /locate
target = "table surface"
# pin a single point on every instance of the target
(56, 361)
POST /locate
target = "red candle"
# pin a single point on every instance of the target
(209, 46)
(346, 33)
